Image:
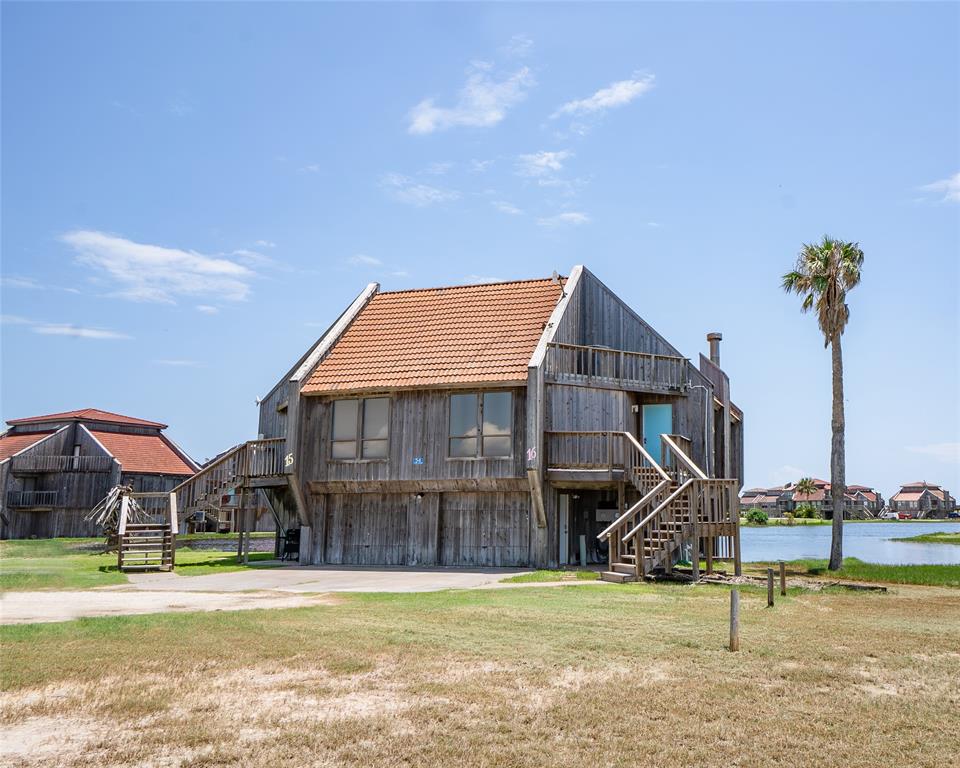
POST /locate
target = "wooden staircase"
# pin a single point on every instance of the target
(239, 471)
(146, 547)
(679, 507)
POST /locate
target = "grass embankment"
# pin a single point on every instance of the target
(617, 675)
(934, 538)
(553, 575)
(857, 570)
(70, 564)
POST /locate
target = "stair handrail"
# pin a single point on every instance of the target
(643, 452)
(605, 533)
(685, 460)
(663, 505)
(216, 464)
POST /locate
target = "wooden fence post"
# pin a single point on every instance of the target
(734, 620)
(769, 587)
(783, 578)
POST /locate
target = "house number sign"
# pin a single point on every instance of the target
(418, 460)
(288, 460)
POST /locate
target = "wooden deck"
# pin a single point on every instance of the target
(618, 369)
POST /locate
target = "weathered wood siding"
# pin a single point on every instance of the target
(419, 429)
(399, 512)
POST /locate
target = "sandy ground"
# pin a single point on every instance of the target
(282, 587)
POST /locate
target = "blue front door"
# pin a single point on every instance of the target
(657, 420)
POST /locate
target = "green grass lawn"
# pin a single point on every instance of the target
(857, 570)
(63, 564)
(934, 538)
(553, 575)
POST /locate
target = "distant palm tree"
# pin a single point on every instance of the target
(804, 486)
(823, 275)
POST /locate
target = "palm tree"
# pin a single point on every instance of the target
(823, 275)
(805, 486)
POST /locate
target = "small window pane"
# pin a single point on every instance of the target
(463, 416)
(345, 449)
(463, 447)
(375, 415)
(345, 419)
(375, 449)
(496, 446)
(496, 413)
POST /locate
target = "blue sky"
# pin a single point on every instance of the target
(192, 192)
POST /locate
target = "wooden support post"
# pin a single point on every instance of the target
(238, 525)
(783, 578)
(695, 500)
(769, 587)
(247, 524)
(583, 551)
(734, 620)
(709, 544)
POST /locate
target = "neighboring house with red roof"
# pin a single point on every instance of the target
(923, 499)
(485, 424)
(55, 468)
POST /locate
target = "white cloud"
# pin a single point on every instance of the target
(400, 273)
(949, 188)
(947, 453)
(482, 279)
(15, 320)
(361, 259)
(62, 329)
(504, 207)
(144, 272)
(479, 166)
(788, 474)
(310, 168)
(30, 283)
(569, 218)
(482, 102)
(614, 95)
(78, 331)
(437, 169)
(266, 244)
(208, 309)
(178, 363)
(406, 190)
(519, 47)
(653, 224)
(542, 163)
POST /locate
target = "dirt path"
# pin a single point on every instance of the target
(30, 607)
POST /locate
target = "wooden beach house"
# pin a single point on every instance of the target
(55, 468)
(529, 423)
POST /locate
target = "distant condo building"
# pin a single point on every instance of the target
(858, 501)
(923, 499)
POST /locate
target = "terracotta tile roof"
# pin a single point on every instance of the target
(88, 414)
(143, 453)
(901, 496)
(920, 484)
(11, 444)
(438, 337)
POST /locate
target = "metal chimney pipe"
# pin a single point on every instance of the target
(715, 338)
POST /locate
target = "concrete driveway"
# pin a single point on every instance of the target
(333, 578)
(285, 586)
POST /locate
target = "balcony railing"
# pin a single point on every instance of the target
(615, 368)
(31, 498)
(41, 463)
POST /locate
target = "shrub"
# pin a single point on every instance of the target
(807, 512)
(789, 517)
(757, 516)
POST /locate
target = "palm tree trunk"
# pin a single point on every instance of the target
(837, 458)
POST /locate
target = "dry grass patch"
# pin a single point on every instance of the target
(614, 675)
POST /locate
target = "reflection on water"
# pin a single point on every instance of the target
(870, 542)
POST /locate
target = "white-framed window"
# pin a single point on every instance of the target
(481, 425)
(361, 429)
